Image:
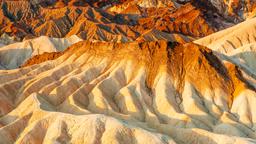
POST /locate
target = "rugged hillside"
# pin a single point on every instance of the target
(127, 71)
(149, 91)
(14, 55)
(236, 45)
(94, 21)
(119, 21)
(235, 10)
(23, 20)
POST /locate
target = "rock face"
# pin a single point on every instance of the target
(147, 72)
(98, 21)
(136, 92)
(236, 45)
(14, 55)
(235, 9)
(25, 19)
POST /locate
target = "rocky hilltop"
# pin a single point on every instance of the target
(130, 72)
(118, 20)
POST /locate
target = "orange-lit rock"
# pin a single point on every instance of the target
(126, 71)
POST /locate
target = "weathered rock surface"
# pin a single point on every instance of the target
(88, 20)
(235, 9)
(14, 55)
(128, 93)
(136, 79)
(236, 45)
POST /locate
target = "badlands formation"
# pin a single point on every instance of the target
(14, 55)
(128, 71)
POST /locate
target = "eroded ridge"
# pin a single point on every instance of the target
(236, 45)
(137, 92)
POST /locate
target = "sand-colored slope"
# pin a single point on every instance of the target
(14, 55)
(235, 44)
(148, 92)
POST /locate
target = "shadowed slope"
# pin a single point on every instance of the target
(236, 45)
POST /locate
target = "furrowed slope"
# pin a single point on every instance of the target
(14, 55)
(235, 44)
(119, 21)
(136, 78)
(147, 92)
(236, 10)
(24, 19)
